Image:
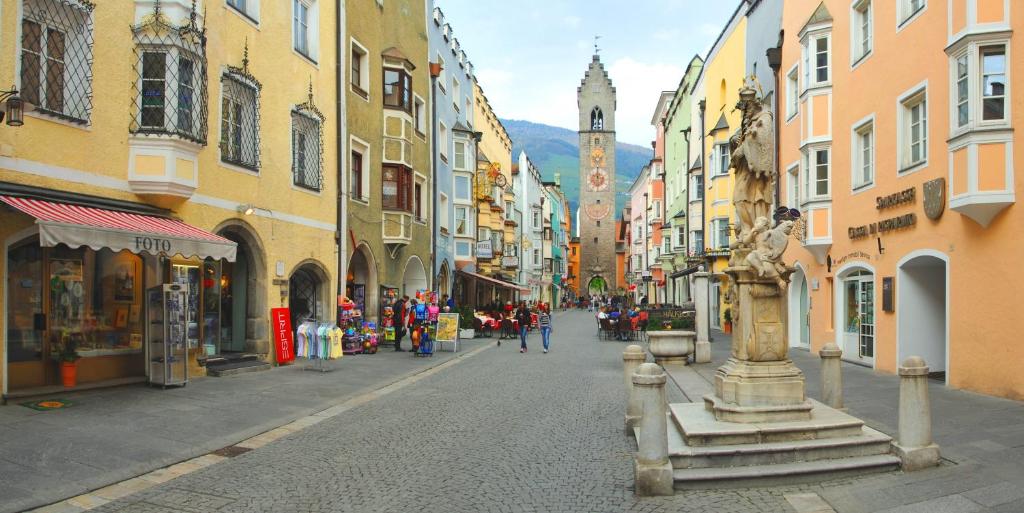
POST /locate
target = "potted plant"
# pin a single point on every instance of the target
(671, 338)
(466, 318)
(67, 357)
(727, 325)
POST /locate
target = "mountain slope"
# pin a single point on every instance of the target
(556, 150)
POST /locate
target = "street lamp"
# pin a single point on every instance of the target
(15, 107)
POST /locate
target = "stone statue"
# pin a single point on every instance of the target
(769, 245)
(752, 159)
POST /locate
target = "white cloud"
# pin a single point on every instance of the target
(638, 86)
(666, 35)
(572, 21)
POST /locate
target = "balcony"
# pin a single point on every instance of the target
(814, 230)
(166, 169)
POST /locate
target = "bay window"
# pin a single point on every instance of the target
(397, 89)
(463, 223)
(397, 187)
(980, 87)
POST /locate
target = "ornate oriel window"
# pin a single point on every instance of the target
(307, 145)
(240, 117)
(170, 85)
(56, 57)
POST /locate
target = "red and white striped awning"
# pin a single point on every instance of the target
(97, 228)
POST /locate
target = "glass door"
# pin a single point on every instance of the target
(867, 318)
(859, 332)
(26, 321)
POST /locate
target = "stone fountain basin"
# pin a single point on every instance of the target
(671, 345)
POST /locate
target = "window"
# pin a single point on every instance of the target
(963, 106)
(536, 219)
(536, 257)
(443, 211)
(720, 230)
(170, 93)
(993, 83)
(656, 209)
(909, 9)
(397, 89)
(250, 9)
(56, 52)
(721, 159)
(596, 118)
(547, 265)
(441, 78)
(356, 176)
(820, 173)
(666, 245)
(360, 70)
(420, 114)
(397, 188)
(864, 155)
(461, 162)
(463, 249)
(418, 201)
(792, 93)
(301, 31)
(861, 30)
(463, 225)
(913, 134)
(442, 141)
(456, 93)
(817, 60)
(462, 188)
(239, 127)
(821, 59)
(697, 188)
(793, 186)
(306, 151)
(698, 241)
(483, 233)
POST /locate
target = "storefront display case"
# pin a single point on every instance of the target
(167, 334)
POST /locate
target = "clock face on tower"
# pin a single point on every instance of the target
(598, 179)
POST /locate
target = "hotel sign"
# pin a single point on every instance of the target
(896, 199)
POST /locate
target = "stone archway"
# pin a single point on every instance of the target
(415, 277)
(922, 310)
(362, 281)
(243, 302)
(597, 285)
(444, 280)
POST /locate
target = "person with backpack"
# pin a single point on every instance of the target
(524, 317)
(544, 320)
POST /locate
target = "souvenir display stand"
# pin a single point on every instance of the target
(167, 332)
(360, 336)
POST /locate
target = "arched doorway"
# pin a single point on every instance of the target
(361, 283)
(921, 310)
(597, 286)
(799, 310)
(242, 291)
(444, 280)
(415, 277)
(307, 291)
(855, 313)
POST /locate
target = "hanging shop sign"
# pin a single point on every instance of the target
(283, 342)
(484, 249)
(896, 199)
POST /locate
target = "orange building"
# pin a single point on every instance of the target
(896, 144)
(573, 270)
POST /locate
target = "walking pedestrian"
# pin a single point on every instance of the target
(400, 315)
(523, 316)
(544, 320)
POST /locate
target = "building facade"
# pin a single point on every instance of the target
(906, 183)
(597, 103)
(134, 198)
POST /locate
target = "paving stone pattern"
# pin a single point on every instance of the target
(501, 432)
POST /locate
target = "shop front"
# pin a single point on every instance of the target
(78, 279)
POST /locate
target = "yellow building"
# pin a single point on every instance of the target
(723, 75)
(389, 201)
(188, 150)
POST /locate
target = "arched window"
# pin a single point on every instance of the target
(596, 119)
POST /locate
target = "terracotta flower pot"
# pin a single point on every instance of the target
(69, 374)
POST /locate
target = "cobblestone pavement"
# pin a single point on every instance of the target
(502, 432)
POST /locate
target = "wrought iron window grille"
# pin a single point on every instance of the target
(240, 116)
(56, 58)
(308, 144)
(170, 91)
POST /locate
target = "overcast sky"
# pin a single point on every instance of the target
(530, 55)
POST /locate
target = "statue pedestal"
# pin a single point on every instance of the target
(758, 383)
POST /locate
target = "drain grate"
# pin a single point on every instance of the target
(231, 451)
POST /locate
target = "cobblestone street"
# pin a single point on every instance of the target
(501, 431)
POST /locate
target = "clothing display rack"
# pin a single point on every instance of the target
(318, 343)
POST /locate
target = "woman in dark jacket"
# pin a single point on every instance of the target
(524, 318)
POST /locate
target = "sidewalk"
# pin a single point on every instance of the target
(115, 434)
(981, 439)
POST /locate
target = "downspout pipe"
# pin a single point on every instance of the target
(702, 105)
(341, 131)
(775, 63)
(435, 71)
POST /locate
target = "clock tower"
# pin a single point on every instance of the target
(596, 100)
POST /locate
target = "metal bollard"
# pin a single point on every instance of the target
(652, 467)
(915, 446)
